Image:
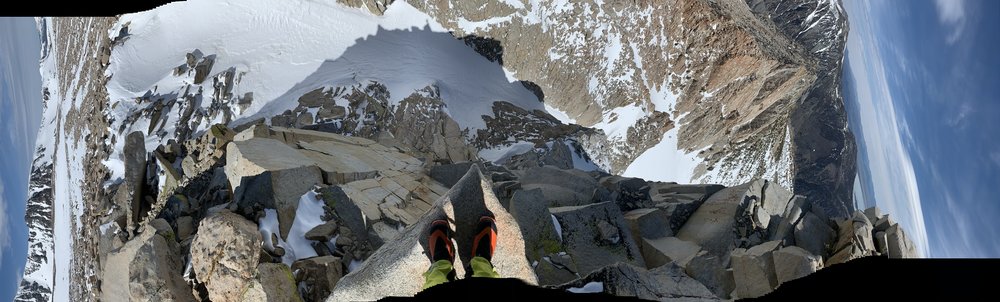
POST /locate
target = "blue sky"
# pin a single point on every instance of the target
(20, 115)
(923, 87)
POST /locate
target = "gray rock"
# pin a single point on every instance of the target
(813, 235)
(148, 267)
(273, 282)
(203, 68)
(660, 251)
(110, 240)
(185, 227)
(648, 223)
(760, 215)
(854, 239)
(883, 223)
(550, 273)
(665, 283)
(422, 124)
(323, 232)
(680, 201)
(607, 233)
(873, 214)
(753, 270)
(629, 193)
(775, 198)
(712, 225)
(555, 154)
(711, 270)
(793, 262)
(793, 213)
(582, 238)
(528, 208)
(449, 174)
(162, 227)
(352, 221)
(171, 177)
(881, 243)
(560, 187)
(224, 255)
(505, 190)
(396, 268)
(317, 276)
(558, 155)
(266, 173)
(130, 193)
(898, 245)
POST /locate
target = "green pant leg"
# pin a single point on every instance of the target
(482, 268)
(440, 272)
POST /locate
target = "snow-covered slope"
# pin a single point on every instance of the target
(262, 70)
(56, 202)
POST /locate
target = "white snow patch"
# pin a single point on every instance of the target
(617, 121)
(476, 26)
(268, 225)
(555, 222)
(590, 287)
(502, 153)
(307, 216)
(664, 162)
(278, 60)
(355, 265)
(579, 162)
(559, 115)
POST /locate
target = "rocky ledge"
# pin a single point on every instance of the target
(283, 214)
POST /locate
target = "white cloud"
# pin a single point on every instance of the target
(995, 156)
(958, 120)
(4, 224)
(951, 13)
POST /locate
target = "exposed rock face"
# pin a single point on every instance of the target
(148, 267)
(269, 173)
(129, 196)
(529, 209)
(224, 255)
(825, 153)
(660, 251)
(899, 246)
(664, 283)
(735, 217)
(751, 86)
(680, 201)
(814, 235)
(317, 276)
(854, 239)
(590, 248)
(753, 270)
(422, 123)
(560, 187)
(648, 223)
(273, 282)
(793, 262)
(396, 269)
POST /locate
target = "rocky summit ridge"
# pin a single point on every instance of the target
(321, 216)
(202, 186)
